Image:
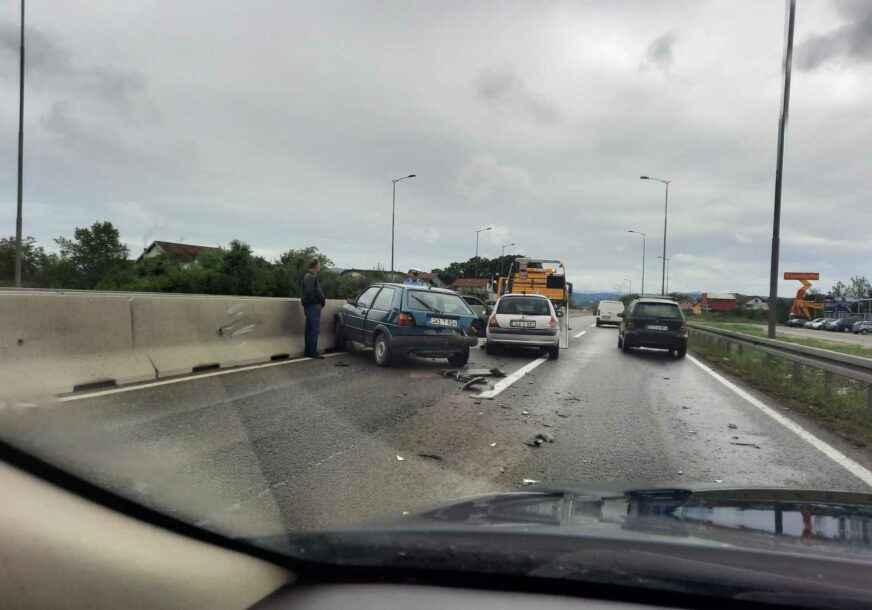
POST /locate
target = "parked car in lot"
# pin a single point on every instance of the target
(817, 324)
(652, 322)
(396, 320)
(481, 309)
(524, 320)
(797, 322)
(863, 327)
(840, 325)
(607, 312)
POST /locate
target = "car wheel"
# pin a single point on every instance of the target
(625, 347)
(554, 352)
(339, 343)
(597, 323)
(490, 349)
(381, 350)
(865, 331)
(620, 341)
(460, 358)
(681, 353)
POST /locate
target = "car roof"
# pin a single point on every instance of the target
(537, 296)
(655, 300)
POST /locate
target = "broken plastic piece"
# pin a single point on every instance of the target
(492, 444)
(474, 381)
(432, 456)
(528, 481)
(401, 458)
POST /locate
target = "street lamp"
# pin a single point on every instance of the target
(477, 231)
(18, 215)
(620, 288)
(644, 235)
(630, 285)
(502, 256)
(394, 215)
(665, 214)
(667, 272)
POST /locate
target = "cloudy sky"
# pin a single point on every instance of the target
(283, 123)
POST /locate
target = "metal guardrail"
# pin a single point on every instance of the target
(832, 363)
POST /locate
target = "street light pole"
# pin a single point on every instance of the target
(630, 285)
(394, 215)
(644, 236)
(779, 161)
(477, 231)
(18, 217)
(667, 273)
(665, 216)
(502, 256)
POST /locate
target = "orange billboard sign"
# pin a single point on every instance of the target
(798, 275)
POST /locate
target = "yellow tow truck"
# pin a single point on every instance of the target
(541, 276)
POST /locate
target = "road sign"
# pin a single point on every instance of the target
(799, 275)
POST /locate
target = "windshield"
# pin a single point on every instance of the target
(529, 306)
(232, 290)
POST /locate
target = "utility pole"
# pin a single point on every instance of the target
(18, 217)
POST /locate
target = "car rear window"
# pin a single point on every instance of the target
(657, 310)
(438, 302)
(528, 306)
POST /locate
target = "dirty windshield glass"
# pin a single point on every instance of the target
(234, 257)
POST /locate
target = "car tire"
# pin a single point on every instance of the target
(597, 323)
(460, 358)
(620, 341)
(381, 350)
(490, 349)
(625, 347)
(554, 353)
(681, 353)
(340, 342)
(864, 331)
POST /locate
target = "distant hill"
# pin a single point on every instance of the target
(594, 297)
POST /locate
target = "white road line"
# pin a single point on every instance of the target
(193, 377)
(504, 383)
(834, 454)
(584, 332)
(593, 325)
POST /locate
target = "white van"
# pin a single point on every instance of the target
(607, 312)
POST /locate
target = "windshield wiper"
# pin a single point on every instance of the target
(429, 308)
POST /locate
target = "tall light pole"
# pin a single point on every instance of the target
(620, 288)
(644, 235)
(667, 273)
(630, 285)
(665, 216)
(782, 126)
(477, 231)
(394, 215)
(18, 220)
(503, 255)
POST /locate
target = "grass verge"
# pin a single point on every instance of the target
(760, 331)
(838, 405)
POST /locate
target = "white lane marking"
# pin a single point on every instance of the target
(193, 377)
(504, 383)
(584, 332)
(593, 325)
(834, 454)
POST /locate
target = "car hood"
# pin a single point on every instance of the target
(739, 542)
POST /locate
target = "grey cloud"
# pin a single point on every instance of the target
(502, 88)
(50, 67)
(659, 53)
(851, 43)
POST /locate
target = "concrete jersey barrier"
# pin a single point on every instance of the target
(51, 343)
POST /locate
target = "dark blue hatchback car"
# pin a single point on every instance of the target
(397, 319)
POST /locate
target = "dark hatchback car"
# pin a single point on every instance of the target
(841, 325)
(398, 320)
(652, 322)
(482, 310)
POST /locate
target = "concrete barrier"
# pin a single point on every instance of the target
(51, 343)
(181, 335)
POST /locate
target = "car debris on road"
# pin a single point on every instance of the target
(526, 482)
(537, 440)
(474, 381)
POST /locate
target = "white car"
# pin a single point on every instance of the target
(607, 312)
(524, 320)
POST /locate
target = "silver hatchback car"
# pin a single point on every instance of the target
(524, 320)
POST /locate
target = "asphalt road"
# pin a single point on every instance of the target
(315, 444)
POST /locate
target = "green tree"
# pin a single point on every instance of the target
(32, 260)
(291, 268)
(92, 255)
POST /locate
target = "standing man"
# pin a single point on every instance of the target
(312, 300)
(413, 279)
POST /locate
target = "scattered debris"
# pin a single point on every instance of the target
(431, 456)
(754, 445)
(680, 472)
(691, 431)
(719, 480)
(530, 382)
(733, 427)
(401, 458)
(405, 512)
(340, 363)
(735, 438)
(474, 381)
(559, 414)
(546, 437)
(477, 402)
(526, 482)
(471, 374)
(666, 378)
(485, 373)
(400, 395)
(525, 412)
(537, 440)
(492, 444)
(684, 407)
(549, 425)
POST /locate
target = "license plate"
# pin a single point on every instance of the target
(443, 322)
(522, 323)
(657, 327)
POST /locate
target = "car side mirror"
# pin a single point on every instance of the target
(351, 301)
(621, 315)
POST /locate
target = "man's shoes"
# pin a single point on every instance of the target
(316, 356)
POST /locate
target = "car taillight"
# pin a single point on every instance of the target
(553, 322)
(631, 325)
(406, 319)
(493, 322)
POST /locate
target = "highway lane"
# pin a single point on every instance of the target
(316, 443)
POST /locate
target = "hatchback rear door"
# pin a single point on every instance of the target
(524, 313)
(657, 317)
